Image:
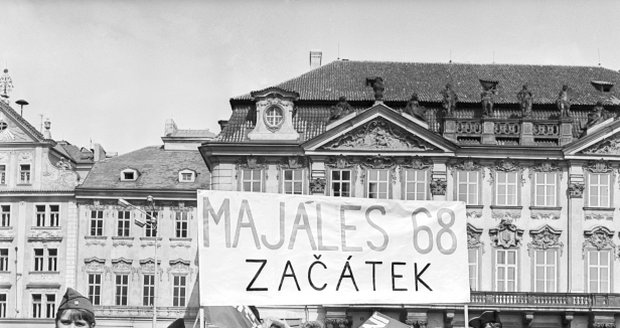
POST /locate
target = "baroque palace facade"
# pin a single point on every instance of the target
(533, 151)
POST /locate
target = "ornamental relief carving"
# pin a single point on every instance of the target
(599, 215)
(128, 242)
(473, 237)
(57, 178)
(24, 157)
(147, 266)
(506, 214)
(123, 266)
(186, 243)
(317, 185)
(251, 162)
(465, 165)
(438, 187)
(545, 214)
(416, 163)
(575, 190)
(379, 134)
(474, 213)
(293, 162)
(379, 162)
(544, 167)
(94, 265)
(7, 235)
(600, 238)
(545, 238)
(603, 325)
(340, 162)
(45, 235)
(506, 165)
(598, 167)
(610, 146)
(506, 235)
(274, 101)
(179, 267)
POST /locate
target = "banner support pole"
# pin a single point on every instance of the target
(466, 314)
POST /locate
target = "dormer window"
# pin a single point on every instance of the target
(187, 176)
(274, 116)
(3, 125)
(129, 175)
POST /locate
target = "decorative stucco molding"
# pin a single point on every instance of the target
(340, 162)
(317, 186)
(473, 237)
(251, 162)
(544, 167)
(506, 235)
(609, 146)
(506, 165)
(599, 238)
(575, 190)
(293, 162)
(600, 166)
(438, 187)
(545, 213)
(545, 238)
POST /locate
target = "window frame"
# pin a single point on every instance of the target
(192, 177)
(610, 276)
(181, 223)
(179, 288)
(475, 264)
(341, 182)
(303, 180)
(387, 182)
(496, 271)
(4, 260)
(427, 174)
(24, 173)
(96, 223)
(517, 185)
(610, 188)
(123, 223)
(3, 175)
(555, 190)
(94, 288)
(5, 215)
(555, 283)
(121, 289)
(252, 180)
(124, 177)
(148, 289)
(3, 304)
(457, 184)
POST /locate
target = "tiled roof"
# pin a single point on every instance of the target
(320, 89)
(76, 154)
(348, 78)
(189, 133)
(158, 169)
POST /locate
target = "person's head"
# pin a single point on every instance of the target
(488, 319)
(75, 311)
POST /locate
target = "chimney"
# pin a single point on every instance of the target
(47, 134)
(223, 124)
(315, 58)
(170, 128)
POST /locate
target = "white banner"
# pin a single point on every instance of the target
(274, 249)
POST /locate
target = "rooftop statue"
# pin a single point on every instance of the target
(525, 98)
(414, 108)
(486, 98)
(563, 102)
(378, 88)
(341, 109)
(597, 115)
(449, 100)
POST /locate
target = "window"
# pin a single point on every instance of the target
(293, 181)
(122, 284)
(178, 290)
(598, 270)
(39, 258)
(2, 305)
(5, 215)
(149, 290)
(123, 223)
(252, 180)
(181, 224)
(54, 215)
(599, 189)
(43, 263)
(545, 190)
(150, 229)
(2, 174)
(473, 268)
(129, 175)
(187, 176)
(43, 305)
(24, 173)
(341, 183)
(4, 259)
(545, 270)
(467, 186)
(94, 288)
(274, 117)
(378, 181)
(506, 270)
(96, 223)
(416, 184)
(47, 215)
(40, 215)
(507, 188)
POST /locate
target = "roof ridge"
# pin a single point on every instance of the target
(458, 63)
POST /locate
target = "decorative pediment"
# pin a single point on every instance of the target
(94, 265)
(340, 162)
(148, 265)
(473, 237)
(545, 167)
(506, 165)
(599, 237)
(13, 131)
(598, 167)
(293, 162)
(416, 163)
(251, 162)
(506, 235)
(179, 267)
(379, 134)
(609, 146)
(465, 165)
(545, 238)
(122, 265)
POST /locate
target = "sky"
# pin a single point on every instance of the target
(112, 72)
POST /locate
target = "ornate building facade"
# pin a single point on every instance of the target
(532, 151)
(38, 218)
(115, 258)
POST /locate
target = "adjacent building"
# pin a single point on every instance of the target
(115, 258)
(532, 150)
(38, 218)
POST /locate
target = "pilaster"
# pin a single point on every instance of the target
(566, 131)
(449, 129)
(575, 201)
(71, 245)
(488, 133)
(527, 133)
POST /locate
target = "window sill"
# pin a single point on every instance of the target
(96, 237)
(546, 208)
(589, 208)
(185, 239)
(4, 228)
(474, 207)
(24, 184)
(506, 207)
(46, 228)
(150, 238)
(44, 272)
(122, 238)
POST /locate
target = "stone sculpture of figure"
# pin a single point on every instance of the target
(563, 102)
(378, 88)
(414, 108)
(597, 115)
(449, 100)
(341, 109)
(525, 98)
(486, 98)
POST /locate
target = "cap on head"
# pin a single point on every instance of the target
(178, 323)
(75, 300)
(484, 318)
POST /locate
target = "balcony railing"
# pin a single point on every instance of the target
(144, 311)
(546, 300)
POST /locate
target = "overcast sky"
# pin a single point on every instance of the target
(114, 71)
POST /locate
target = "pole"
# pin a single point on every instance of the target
(154, 221)
(466, 314)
